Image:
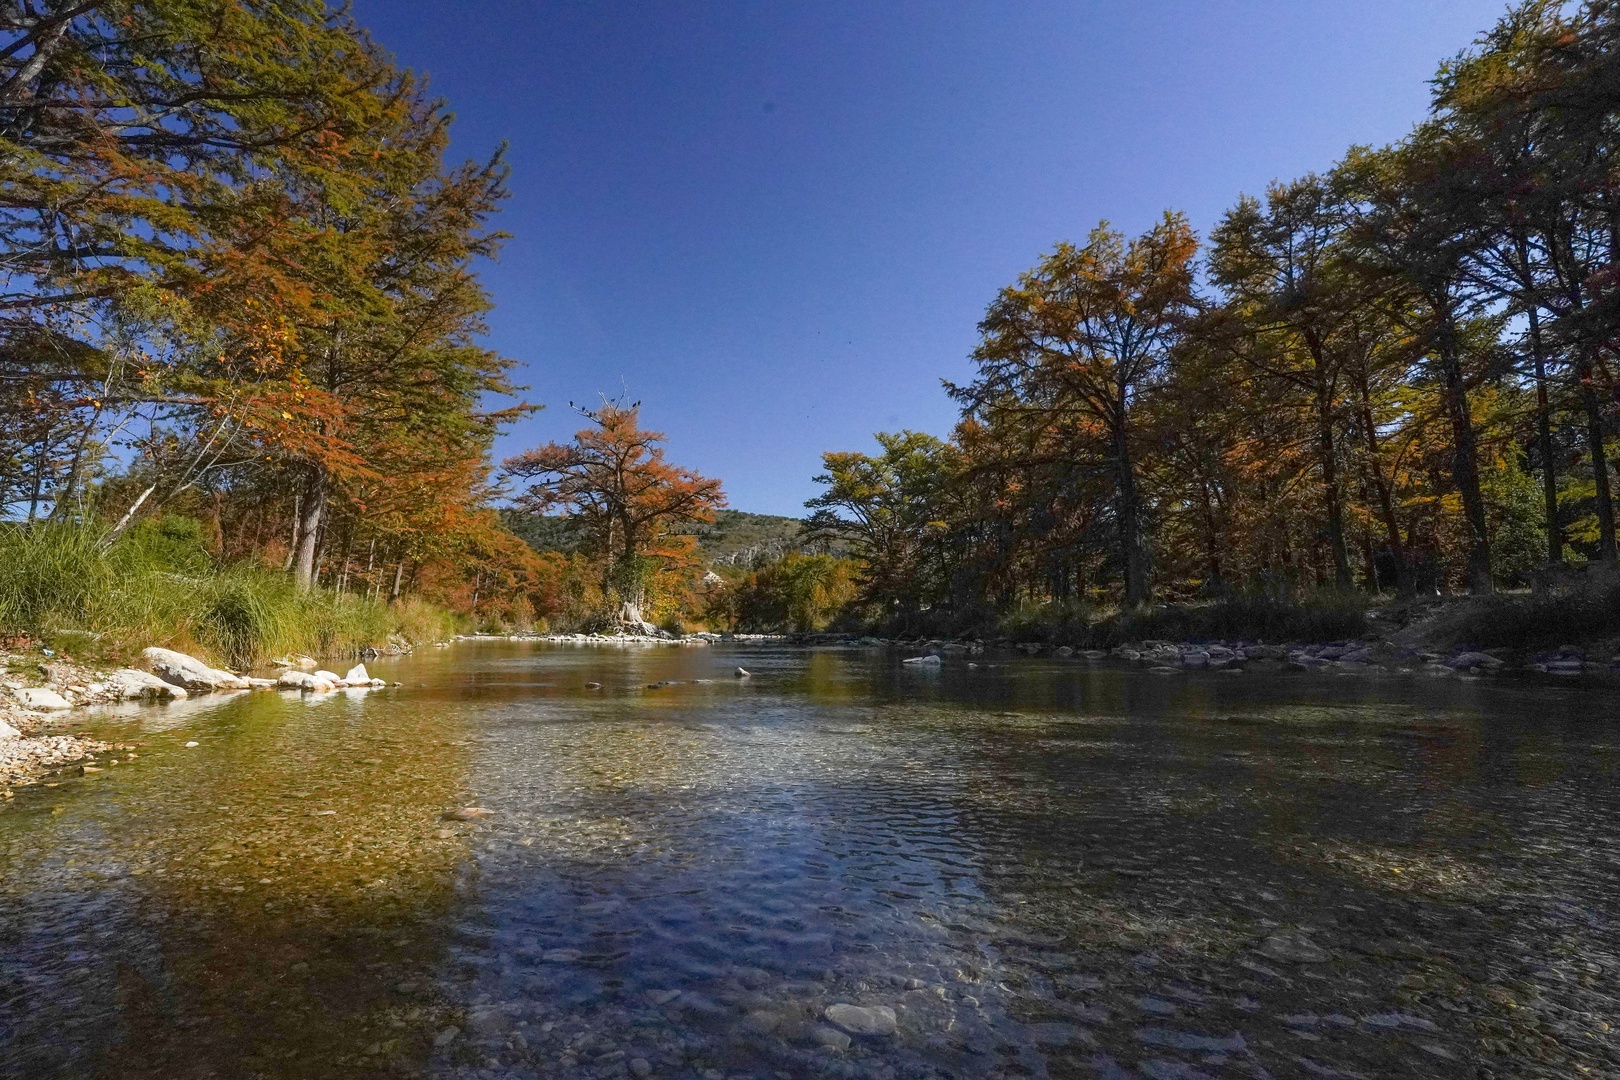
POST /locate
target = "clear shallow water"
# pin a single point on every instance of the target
(1043, 869)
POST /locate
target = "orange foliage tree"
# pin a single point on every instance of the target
(612, 478)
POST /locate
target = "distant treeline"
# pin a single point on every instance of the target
(1396, 375)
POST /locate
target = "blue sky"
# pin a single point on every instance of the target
(777, 223)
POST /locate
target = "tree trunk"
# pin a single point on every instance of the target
(129, 515)
(1386, 500)
(1327, 454)
(1330, 488)
(1544, 443)
(399, 576)
(59, 507)
(1600, 459)
(1133, 547)
(309, 527)
(1464, 467)
(38, 489)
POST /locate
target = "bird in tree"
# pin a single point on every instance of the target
(612, 479)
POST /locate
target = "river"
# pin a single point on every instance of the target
(1043, 868)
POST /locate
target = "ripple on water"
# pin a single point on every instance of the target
(1040, 871)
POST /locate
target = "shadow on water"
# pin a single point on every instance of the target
(1042, 869)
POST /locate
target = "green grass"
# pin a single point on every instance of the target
(64, 584)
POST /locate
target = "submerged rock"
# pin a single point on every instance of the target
(862, 1019)
(742, 673)
(1294, 948)
(924, 661)
(469, 813)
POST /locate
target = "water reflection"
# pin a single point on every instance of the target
(1040, 869)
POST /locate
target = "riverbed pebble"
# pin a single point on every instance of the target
(861, 1019)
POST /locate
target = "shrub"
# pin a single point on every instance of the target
(1590, 610)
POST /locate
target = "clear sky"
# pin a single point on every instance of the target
(777, 222)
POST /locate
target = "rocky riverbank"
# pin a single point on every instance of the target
(1339, 657)
(39, 689)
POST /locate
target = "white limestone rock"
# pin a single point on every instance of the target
(303, 680)
(42, 699)
(189, 672)
(129, 683)
(358, 676)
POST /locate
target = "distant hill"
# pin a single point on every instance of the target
(739, 538)
(734, 538)
(544, 533)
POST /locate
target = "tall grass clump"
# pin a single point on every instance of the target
(154, 586)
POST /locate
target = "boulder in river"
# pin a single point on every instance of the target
(189, 672)
(42, 698)
(924, 661)
(862, 1019)
(129, 683)
(742, 673)
(358, 676)
(303, 680)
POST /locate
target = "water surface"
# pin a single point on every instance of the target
(1044, 869)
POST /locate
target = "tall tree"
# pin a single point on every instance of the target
(613, 479)
(1414, 235)
(885, 509)
(1079, 339)
(1280, 267)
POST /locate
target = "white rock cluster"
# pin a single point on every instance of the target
(325, 682)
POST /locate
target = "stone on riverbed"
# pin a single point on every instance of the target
(189, 672)
(129, 683)
(469, 813)
(925, 661)
(7, 731)
(862, 1019)
(358, 676)
(42, 699)
(1294, 948)
(742, 673)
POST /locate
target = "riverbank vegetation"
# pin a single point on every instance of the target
(1396, 376)
(241, 292)
(158, 585)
